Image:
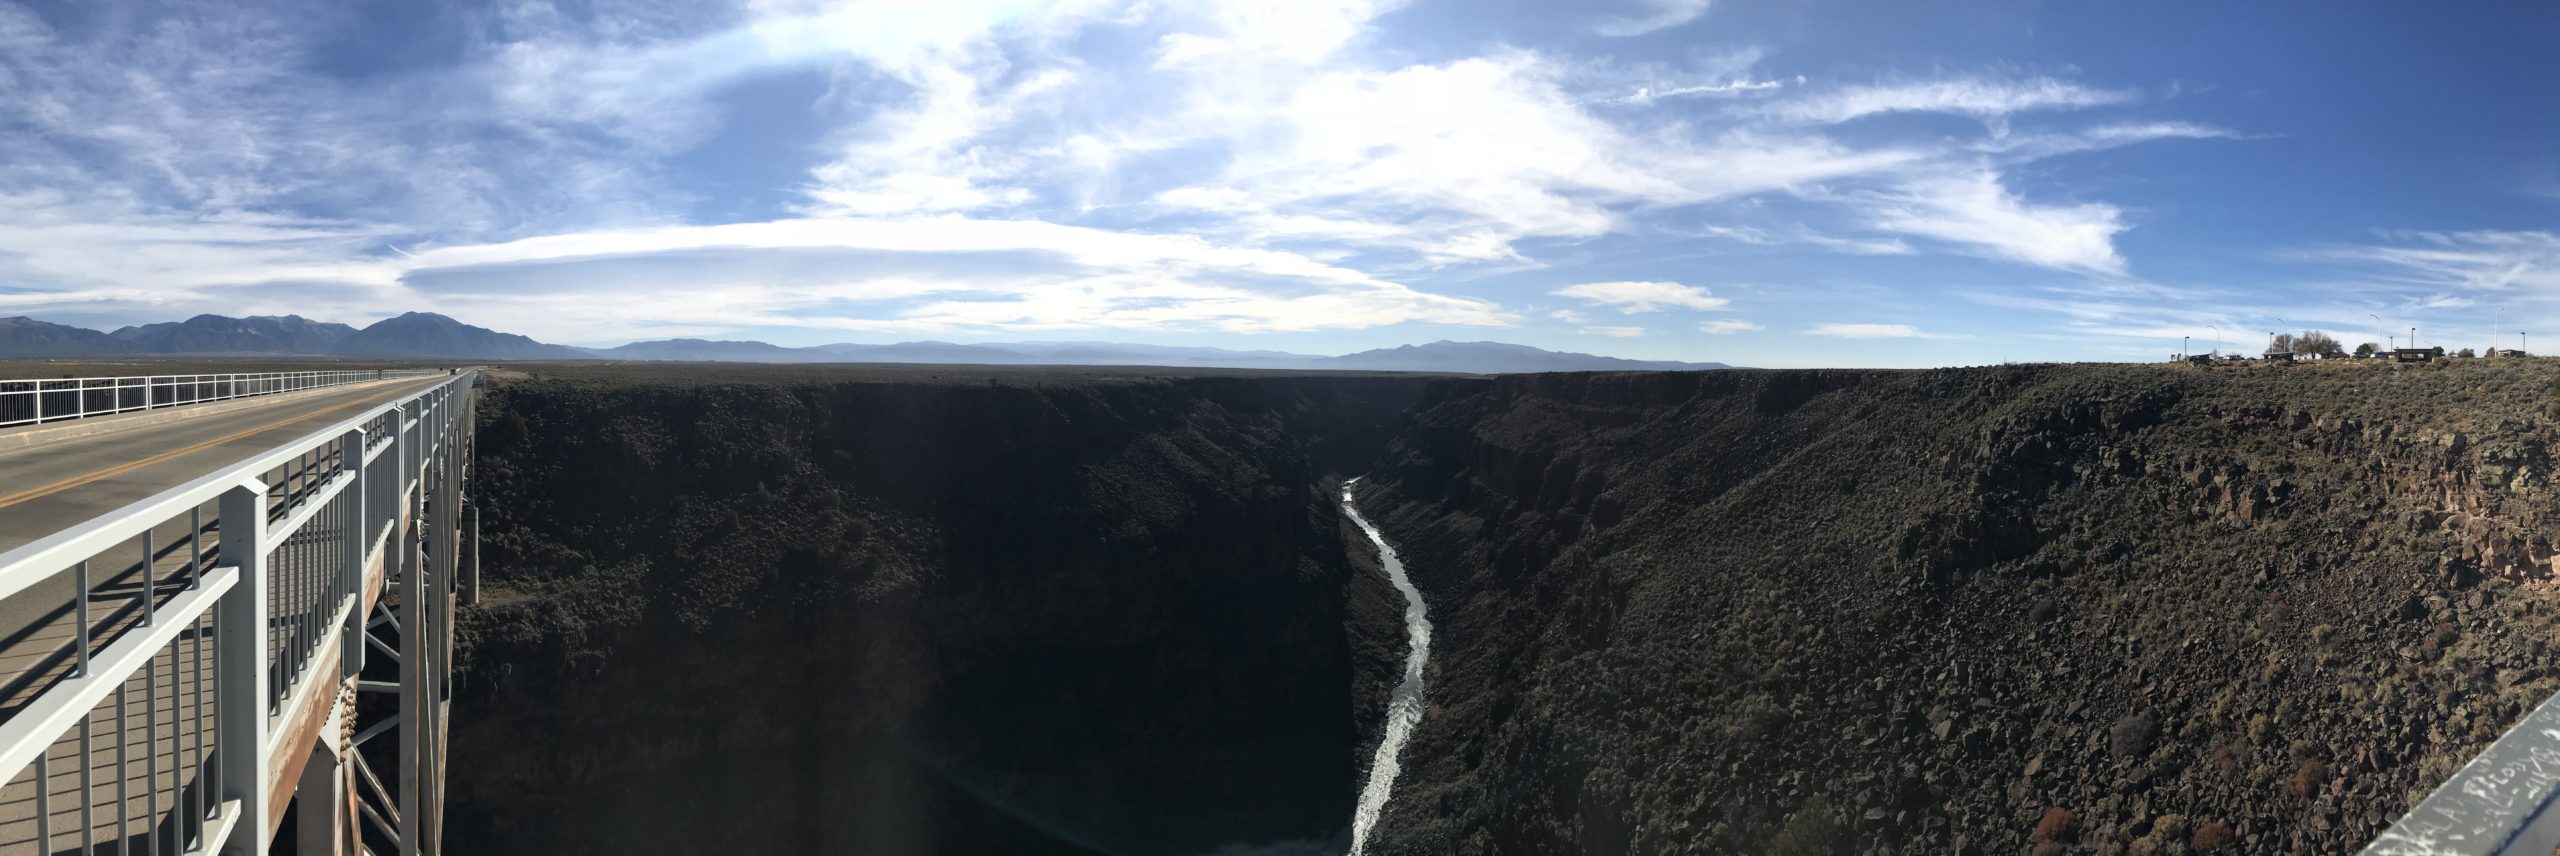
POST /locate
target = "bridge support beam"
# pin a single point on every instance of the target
(321, 806)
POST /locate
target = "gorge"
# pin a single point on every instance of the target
(938, 610)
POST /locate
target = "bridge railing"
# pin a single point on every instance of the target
(147, 705)
(33, 400)
(2502, 802)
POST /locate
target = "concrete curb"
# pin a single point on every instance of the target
(40, 435)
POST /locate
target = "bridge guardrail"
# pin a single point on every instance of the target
(2500, 802)
(298, 527)
(32, 401)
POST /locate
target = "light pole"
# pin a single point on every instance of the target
(2377, 324)
(2413, 335)
(2182, 348)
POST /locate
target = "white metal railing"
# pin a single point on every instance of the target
(33, 400)
(297, 526)
(2499, 803)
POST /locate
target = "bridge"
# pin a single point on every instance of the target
(226, 607)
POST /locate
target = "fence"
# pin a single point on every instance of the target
(27, 402)
(183, 632)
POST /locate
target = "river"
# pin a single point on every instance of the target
(1404, 704)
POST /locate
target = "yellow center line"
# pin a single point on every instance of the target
(129, 466)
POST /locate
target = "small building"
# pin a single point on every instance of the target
(2415, 355)
(2274, 355)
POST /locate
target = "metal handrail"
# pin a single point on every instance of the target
(2501, 802)
(270, 607)
(31, 401)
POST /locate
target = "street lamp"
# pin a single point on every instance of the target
(2182, 347)
(2377, 324)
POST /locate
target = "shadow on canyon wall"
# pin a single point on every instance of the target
(765, 609)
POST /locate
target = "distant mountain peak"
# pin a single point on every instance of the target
(421, 334)
(1497, 358)
(427, 334)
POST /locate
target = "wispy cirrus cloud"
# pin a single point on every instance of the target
(1728, 326)
(1983, 98)
(1642, 296)
(2483, 260)
(1869, 331)
(1664, 14)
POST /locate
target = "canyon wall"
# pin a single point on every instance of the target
(831, 610)
(2113, 609)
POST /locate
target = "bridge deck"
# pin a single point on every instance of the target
(50, 487)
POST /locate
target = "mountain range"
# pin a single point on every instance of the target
(428, 335)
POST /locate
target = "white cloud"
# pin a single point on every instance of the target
(1972, 209)
(1459, 162)
(2483, 260)
(1648, 94)
(1642, 296)
(1967, 96)
(1666, 14)
(1726, 326)
(1616, 332)
(927, 157)
(1296, 31)
(2030, 147)
(1262, 165)
(1867, 331)
(1800, 235)
(1067, 276)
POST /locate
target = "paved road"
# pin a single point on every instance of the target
(53, 486)
(47, 488)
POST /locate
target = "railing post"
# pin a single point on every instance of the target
(409, 492)
(439, 620)
(359, 540)
(471, 575)
(240, 657)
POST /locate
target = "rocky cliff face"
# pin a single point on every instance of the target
(2066, 609)
(759, 609)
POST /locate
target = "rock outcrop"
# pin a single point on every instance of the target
(2062, 608)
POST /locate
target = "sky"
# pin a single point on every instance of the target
(1756, 182)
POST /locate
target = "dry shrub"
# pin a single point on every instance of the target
(2212, 836)
(2225, 761)
(1813, 831)
(2307, 781)
(2057, 825)
(2436, 641)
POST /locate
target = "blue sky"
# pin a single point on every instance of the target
(1762, 182)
